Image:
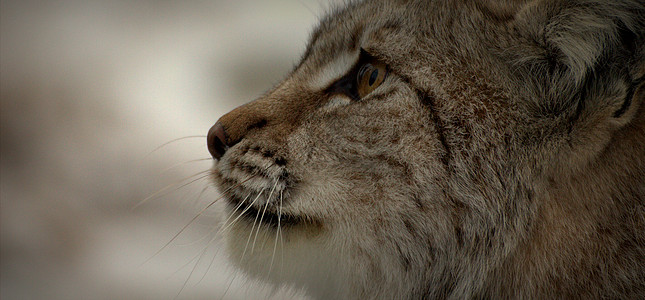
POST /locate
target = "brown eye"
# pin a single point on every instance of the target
(369, 77)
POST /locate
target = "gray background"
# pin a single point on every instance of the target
(88, 90)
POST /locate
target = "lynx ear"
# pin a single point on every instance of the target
(581, 50)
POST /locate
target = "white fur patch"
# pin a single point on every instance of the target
(337, 101)
(333, 70)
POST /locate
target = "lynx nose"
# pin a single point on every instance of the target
(216, 140)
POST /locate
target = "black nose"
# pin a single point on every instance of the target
(216, 140)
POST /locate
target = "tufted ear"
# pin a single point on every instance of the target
(580, 54)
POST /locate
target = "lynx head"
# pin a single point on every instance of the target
(446, 149)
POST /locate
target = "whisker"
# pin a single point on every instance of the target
(209, 266)
(242, 213)
(275, 242)
(193, 258)
(251, 233)
(182, 267)
(262, 218)
(201, 255)
(195, 218)
(188, 262)
(201, 252)
(281, 240)
(172, 185)
(218, 232)
(224, 226)
(216, 228)
(183, 163)
(183, 185)
(199, 196)
(313, 13)
(172, 141)
(228, 286)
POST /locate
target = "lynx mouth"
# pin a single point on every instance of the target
(257, 187)
(255, 198)
(263, 214)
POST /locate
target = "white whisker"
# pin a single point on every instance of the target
(194, 218)
(200, 255)
(176, 184)
(242, 213)
(262, 218)
(183, 163)
(172, 141)
(280, 233)
(275, 242)
(216, 229)
(228, 286)
(250, 233)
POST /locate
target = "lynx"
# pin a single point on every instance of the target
(447, 149)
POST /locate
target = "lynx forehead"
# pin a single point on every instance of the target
(447, 149)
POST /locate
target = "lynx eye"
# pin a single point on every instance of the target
(364, 77)
(370, 76)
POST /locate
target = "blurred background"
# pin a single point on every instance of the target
(89, 90)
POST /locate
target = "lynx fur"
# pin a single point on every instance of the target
(502, 157)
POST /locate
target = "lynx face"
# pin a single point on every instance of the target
(413, 151)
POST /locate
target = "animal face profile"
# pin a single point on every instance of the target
(447, 149)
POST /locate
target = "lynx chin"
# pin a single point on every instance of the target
(447, 149)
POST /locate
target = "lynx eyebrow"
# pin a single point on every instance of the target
(334, 70)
